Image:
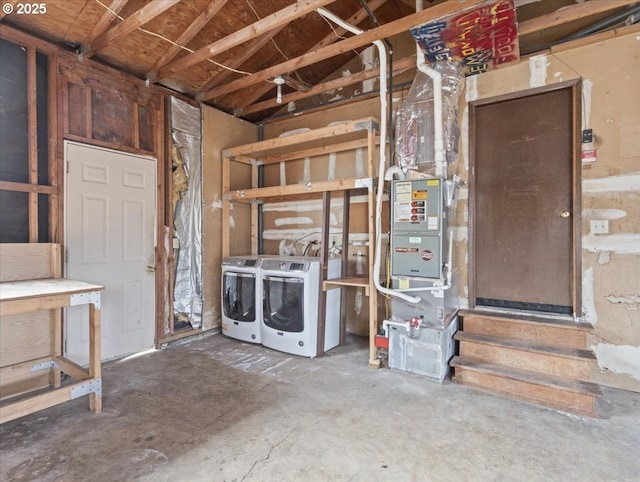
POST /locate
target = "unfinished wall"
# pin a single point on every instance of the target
(610, 73)
(221, 131)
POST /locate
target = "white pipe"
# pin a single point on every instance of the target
(436, 77)
(402, 324)
(394, 171)
(382, 53)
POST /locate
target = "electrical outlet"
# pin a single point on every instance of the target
(599, 226)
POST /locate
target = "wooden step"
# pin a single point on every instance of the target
(559, 361)
(571, 396)
(546, 331)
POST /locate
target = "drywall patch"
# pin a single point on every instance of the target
(604, 213)
(626, 243)
(460, 233)
(471, 93)
(538, 71)
(293, 220)
(604, 257)
(587, 88)
(588, 303)
(631, 302)
(464, 134)
(623, 183)
(622, 359)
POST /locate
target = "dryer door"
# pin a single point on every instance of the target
(283, 307)
(239, 296)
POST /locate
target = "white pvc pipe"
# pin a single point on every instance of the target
(382, 53)
(436, 77)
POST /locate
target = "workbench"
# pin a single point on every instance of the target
(33, 296)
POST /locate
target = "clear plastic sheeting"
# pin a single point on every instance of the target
(186, 133)
(415, 138)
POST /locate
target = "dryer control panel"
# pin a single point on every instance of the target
(417, 226)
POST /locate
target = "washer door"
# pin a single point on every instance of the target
(283, 308)
(239, 296)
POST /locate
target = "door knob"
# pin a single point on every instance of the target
(150, 269)
(565, 214)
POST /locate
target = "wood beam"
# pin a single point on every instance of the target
(198, 24)
(277, 19)
(236, 62)
(106, 19)
(335, 34)
(128, 25)
(569, 14)
(388, 30)
(398, 67)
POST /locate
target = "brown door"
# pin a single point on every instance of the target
(522, 202)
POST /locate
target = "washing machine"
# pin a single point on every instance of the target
(291, 287)
(241, 298)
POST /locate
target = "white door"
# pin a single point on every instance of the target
(110, 212)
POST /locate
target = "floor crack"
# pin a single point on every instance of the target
(264, 459)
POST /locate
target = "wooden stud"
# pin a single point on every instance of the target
(346, 217)
(88, 118)
(254, 212)
(324, 267)
(32, 133)
(30, 188)
(135, 125)
(164, 222)
(374, 361)
(226, 166)
(53, 165)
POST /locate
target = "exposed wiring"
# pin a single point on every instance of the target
(272, 41)
(149, 32)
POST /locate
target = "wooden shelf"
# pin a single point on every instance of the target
(353, 281)
(278, 193)
(313, 139)
(339, 137)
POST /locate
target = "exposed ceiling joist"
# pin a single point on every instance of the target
(277, 19)
(106, 19)
(569, 14)
(237, 61)
(338, 31)
(198, 24)
(384, 31)
(128, 25)
(398, 67)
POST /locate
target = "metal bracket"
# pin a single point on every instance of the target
(256, 201)
(85, 298)
(256, 163)
(93, 386)
(364, 182)
(44, 366)
(368, 125)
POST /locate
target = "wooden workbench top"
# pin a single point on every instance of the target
(15, 290)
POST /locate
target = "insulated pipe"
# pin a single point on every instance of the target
(382, 53)
(421, 65)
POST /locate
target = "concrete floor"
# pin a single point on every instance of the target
(214, 409)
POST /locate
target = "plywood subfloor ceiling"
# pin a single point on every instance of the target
(227, 53)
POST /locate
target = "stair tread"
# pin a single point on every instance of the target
(525, 345)
(521, 318)
(552, 381)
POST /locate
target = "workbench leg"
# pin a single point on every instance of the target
(56, 336)
(95, 369)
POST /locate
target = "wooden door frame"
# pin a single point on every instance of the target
(576, 205)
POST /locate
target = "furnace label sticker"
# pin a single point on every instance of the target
(427, 255)
(411, 212)
(403, 192)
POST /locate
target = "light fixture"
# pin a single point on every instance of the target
(279, 81)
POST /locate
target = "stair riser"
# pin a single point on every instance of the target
(537, 362)
(540, 333)
(556, 398)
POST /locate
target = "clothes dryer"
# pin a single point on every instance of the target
(291, 287)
